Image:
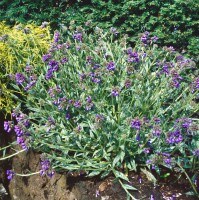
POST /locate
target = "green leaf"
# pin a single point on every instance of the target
(149, 176)
(105, 174)
(129, 187)
(120, 175)
(94, 173)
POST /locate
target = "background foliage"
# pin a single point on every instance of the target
(175, 22)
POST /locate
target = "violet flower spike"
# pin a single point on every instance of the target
(10, 174)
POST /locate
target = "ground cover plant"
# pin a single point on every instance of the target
(21, 46)
(99, 106)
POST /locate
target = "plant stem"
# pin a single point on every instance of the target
(193, 186)
(13, 155)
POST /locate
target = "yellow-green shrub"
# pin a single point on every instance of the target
(20, 46)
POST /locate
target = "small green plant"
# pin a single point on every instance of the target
(101, 107)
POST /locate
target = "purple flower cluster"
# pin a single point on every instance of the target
(195, 85)
(136, 124)
(19, 78)
(20, 128)
(8, 126)
(19, 132)
(115, 91)
(64, 60)
(174, 137)
(94, 78)
(89, 59)
(82, 77)
(45, 169)
(78, 36)
(54, 67)
(10, 174)
(54, 91)
(144, 37)
(156, 131)
(127, 83)
(30, 85)
(175, 79)
(56, 37)
(29, 68)
(196, 152)
(114, 31)
(60, 102)
(133, 57)
(22, 143)
(99, 118)
(89, 103)
(77, 104)
(111, 66)
(46, 57)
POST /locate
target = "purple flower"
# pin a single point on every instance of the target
(144, 37)
(8, 126)
(45, 168)
(82, 77)
(115, 91)
(28, 68)
(78, 36)
(156, 132)
(89, 59)
(129, 50)
(67, 116)
(195, 85)
(64, 60)
(146, 150)
(19, 132)
(78, 48)
(154, 39)
(50, 174)
(56, 36)
(46, 57)
(49, 74)
(10, 174)
(156, 120)
(89, 104)
(21, 142)
(95, 80)
(175, 83)
(19, 78)
(111, 66)
(45, 164)
(29, 85)
(196, 152)
(99, 118)
(133, 57)
(114, 30)
(54, 65)
(135, 123)
(174, 137)
(77, 104)
(186, 123)
(127, 83)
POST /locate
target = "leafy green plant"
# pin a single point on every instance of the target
(21, 46)
(101, 107)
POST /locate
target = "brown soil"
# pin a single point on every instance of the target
(65, 187)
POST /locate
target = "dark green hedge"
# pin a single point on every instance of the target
(175, 22)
